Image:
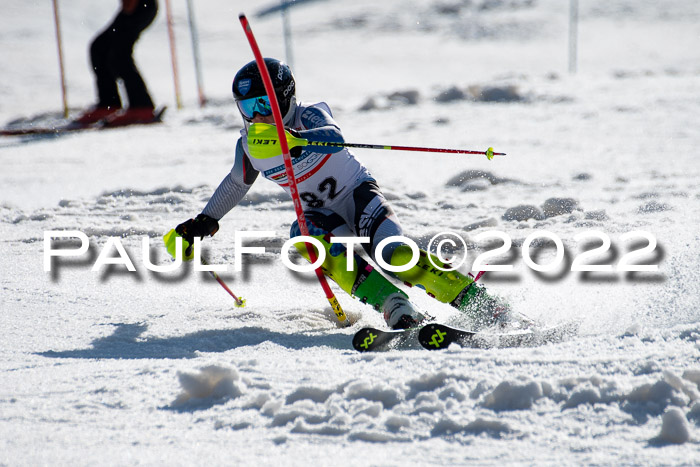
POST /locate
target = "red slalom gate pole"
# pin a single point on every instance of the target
(288, 167)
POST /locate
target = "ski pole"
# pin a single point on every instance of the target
(59, 43)
(240, 302)
(170, 240)
(263, 142)
(488, 153)
(289, 168)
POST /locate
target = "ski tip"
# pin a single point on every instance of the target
(434, 336)
(364, 339)
(373, 339)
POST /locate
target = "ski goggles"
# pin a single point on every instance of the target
(255, 105)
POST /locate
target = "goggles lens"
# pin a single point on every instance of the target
(255, 105)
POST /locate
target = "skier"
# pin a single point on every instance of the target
(111, 57)
(340, 198)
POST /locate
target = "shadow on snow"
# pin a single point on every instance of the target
(125, 343)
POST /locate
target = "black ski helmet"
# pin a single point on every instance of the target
(248, 83)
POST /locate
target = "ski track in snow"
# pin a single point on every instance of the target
(118, 367)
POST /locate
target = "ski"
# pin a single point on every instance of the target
(436, 336)
(38, 130)
(55, 130)
(371, 339)
(72, 127)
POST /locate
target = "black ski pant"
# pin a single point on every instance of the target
(111, 56)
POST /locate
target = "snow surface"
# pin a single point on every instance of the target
(114, 367)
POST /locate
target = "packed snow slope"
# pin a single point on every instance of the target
(117, 367)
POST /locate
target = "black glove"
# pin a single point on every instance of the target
(295, 151)
(200, 226)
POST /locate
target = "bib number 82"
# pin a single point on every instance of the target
(329, 185)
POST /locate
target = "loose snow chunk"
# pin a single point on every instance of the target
(258, 401)
(376, 437)
(372, 409)
(692, 375)
(678, 384)
(694, 413)
(653, 206)
(446, 426)
(326, 430)
(212, 382)
(309, 393)
(523, 212)
(429, 406)
(452, 391)
(674, 427)
(493, 428)
(557, 206)
(426, 382)
(659, 394)
(584, 396)
(395, 423)
(470, 175)
(306, 410)
(388, 396)
(271, 407)
(513, 396)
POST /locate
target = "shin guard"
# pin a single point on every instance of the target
(444, 284)
(363, 281)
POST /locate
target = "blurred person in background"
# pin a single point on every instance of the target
(111, 56)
